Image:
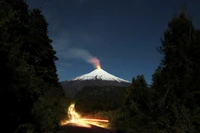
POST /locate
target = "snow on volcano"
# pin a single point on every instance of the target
(97, 77)
(99, 74)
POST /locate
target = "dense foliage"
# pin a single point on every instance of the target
(94, 99)
(31, 97)
(172, 102)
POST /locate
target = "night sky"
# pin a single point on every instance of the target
(122, 34)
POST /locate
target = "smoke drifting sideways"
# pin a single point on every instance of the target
(84, 55)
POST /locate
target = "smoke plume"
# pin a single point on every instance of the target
(84, 55)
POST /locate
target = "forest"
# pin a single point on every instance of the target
(32, 99)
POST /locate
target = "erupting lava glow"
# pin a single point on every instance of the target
(74, 117)
(95, 62)
(98, 67)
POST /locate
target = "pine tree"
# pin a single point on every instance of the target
(31, 96)
(48, 105)
(175, 81)
(171, 103)
(13, 30)
(135, 113)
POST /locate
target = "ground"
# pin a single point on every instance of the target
(73, 128)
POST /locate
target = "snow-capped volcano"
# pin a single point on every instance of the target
(99, 74)
(98, 77)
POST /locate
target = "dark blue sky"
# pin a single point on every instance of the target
(122, 34)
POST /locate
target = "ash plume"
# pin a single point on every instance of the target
(84, 55)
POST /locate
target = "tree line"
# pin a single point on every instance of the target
(31, 98)
(172, 102)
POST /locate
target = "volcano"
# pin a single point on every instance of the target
(98, 77)
(99, 74)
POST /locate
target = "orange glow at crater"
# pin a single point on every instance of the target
(95, 62)
(98, 66)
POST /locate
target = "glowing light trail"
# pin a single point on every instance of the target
(74, 117)
(98, 120)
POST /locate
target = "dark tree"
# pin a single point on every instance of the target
(171, 103)
(31, 96)
(176, 79)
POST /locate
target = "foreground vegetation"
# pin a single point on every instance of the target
(31, 98)
(172, 102)
(94, 100)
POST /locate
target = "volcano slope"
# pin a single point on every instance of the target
(98, 77)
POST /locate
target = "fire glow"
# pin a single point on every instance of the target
(98, 120)
(98, 67)
(75, 118)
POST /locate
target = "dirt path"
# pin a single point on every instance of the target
(77, 129)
